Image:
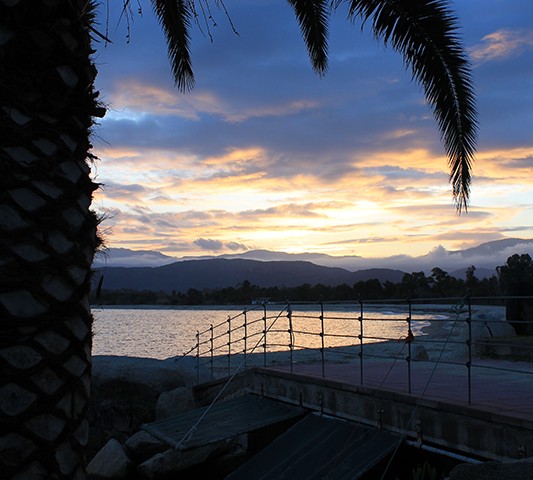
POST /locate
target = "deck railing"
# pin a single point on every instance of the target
(454, 331)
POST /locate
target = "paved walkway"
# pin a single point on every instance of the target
(496, 386)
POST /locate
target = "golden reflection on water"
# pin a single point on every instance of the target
(166, 332)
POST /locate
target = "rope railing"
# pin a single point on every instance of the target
(456, 331)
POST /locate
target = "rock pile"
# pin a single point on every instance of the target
(128, 392)
(143, 456)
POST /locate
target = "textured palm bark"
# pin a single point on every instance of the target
(47, 236)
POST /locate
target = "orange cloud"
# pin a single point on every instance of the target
(420, 159)
(399, 199)
(133, 99)
(501, 45)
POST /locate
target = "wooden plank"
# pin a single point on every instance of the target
(223, 420)
(319, 447)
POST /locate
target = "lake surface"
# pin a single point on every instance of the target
(162, 332)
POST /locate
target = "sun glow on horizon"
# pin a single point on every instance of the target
(298, 214)
(263, 154)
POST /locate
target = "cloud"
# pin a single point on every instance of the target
(379, 205)
(266, 154)
(501, 45)
(209, 244)
(134, 100)
(132, 193)
(235, 246)
(357, 241)
(291, 210)
(399, 133)
(217, 245)
(276, 110)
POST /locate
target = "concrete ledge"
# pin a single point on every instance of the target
(471, 431)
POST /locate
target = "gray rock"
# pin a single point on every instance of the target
(118, 408)
(190, 371)
(158, 375)
(174, 402)
(522, 470)
(124, 395)
(484, 326)
(420, 353)
(141, 446)
(111, 462)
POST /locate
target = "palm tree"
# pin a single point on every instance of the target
(48, 234)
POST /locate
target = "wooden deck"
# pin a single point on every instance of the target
(496, 386)
(432, 406)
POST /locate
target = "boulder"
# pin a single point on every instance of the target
(189, 370)
(154, 374)
(484, 326)
(174, 402)
(124, 395)
(419, 353)
(141, 446)
(111, 462)
(118, 408)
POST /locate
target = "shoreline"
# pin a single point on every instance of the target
(440, 339)
(443, 327)
(148, 335)
(167, 385)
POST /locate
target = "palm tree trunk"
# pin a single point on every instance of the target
(47, 236)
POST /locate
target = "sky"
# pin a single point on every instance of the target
(265, 154)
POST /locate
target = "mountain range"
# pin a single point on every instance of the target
(150, 270)
(221, 272)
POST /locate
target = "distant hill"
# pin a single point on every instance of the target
(219, 273)
(485, 257)
(507, 246)
(124, 257)
(270, 256)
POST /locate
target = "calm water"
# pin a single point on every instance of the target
(165, 332)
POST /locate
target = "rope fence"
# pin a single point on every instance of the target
(455, 331)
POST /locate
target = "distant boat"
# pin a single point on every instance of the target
(260, 301)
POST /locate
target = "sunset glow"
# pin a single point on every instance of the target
(264, 154)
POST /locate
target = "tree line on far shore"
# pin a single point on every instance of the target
(513, 278)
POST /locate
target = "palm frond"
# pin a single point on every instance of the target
(312, 15)
(175, 18)
(425, 33)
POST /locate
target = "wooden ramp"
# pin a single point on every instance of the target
(225, 419)
(316, 447)
(319, 447)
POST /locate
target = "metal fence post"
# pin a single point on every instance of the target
(264, 335)
(469, 347)
(322, 336)
(361, 337)
(291, 345)
(408, 339)
(212, 352)
(245, 335)
(197, 357)
(229, 345)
